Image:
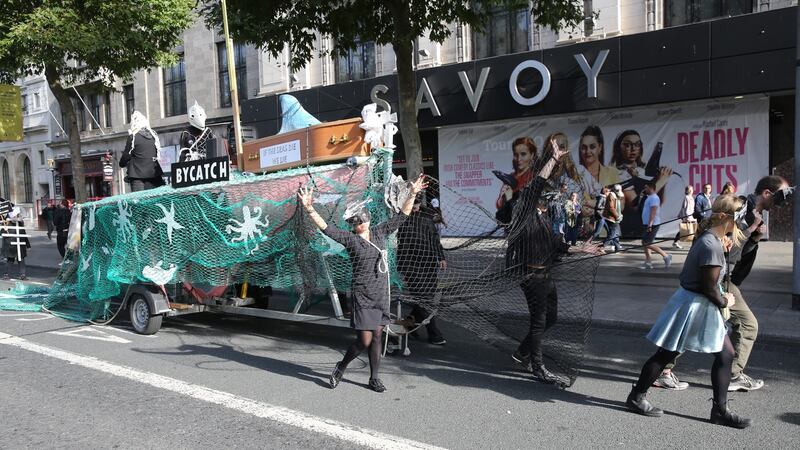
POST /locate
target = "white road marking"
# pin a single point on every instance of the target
(299, 419)
(91, 333)
(39, 316)
(122, 330)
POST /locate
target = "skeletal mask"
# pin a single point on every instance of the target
(197, 116)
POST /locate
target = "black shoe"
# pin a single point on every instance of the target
(637, 403)
(540, 373)
(522, 360)
(336, 376)
(376, 385)
(437, 341)
(722, 415)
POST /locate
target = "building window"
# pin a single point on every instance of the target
(506, 32)
(37, 101)
(127, 92)
(41, 158)
(175, 88)
(357, 64)
(95, 103)
(239, 56)
(680, 12)
(6, 181)
(27, 179)
(24, 98)
(107, 109)
(80, 113)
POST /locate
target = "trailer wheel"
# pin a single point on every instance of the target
(141, 318)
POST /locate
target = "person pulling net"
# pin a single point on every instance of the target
(366, 247)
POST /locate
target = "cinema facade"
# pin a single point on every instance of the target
(717, 96)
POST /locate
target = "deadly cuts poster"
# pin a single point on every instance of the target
(681, 144)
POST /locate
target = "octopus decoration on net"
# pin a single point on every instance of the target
(248, 228)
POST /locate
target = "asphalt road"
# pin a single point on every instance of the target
(210, 381)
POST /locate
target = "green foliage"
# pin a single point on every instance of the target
(273, 24)
(89, 39)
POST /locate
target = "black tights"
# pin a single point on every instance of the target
(365, 339)
(720, 370)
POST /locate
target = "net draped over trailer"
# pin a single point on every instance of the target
(251, 230)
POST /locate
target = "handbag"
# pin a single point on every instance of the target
(687, 231)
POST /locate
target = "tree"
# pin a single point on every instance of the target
(75, 42)
(274, 24)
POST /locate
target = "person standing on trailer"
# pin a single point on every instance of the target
(366, 247)
(141, 155)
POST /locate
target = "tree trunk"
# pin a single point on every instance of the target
(74, 135)
(403, 47)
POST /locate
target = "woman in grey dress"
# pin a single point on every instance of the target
(366, 247)
(693, 319)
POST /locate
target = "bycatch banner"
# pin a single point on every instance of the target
(203, 171)
(675, 145)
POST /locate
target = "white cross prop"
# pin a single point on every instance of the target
(17, 232)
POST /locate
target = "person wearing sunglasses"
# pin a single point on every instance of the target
(366, 247)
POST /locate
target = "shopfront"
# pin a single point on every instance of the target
(716, 98)
(96, 186)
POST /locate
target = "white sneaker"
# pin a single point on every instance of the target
(646, 266)
(667, 261)
(676, 245)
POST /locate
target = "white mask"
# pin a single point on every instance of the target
(197, 116)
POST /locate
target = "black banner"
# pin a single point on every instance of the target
(193, 173)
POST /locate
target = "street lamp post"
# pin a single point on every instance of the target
(51, 165)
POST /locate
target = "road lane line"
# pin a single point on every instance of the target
(299, 419)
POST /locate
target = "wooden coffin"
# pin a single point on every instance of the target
(321, 143)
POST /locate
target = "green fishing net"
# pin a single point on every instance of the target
(250, 230)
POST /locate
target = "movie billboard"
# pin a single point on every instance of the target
(675, 146)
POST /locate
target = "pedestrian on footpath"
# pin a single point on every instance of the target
(612, 215)
(572, 219)
(47, 214)
(702, 203)
(686, 215)
(651, 218)
(61, 218)
(366, 248)
(15, 243)
(599, 209)
(693, 320)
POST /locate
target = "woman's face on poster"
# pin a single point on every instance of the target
(562, 142)
(631, 149)
(522, 158)
(590, 150)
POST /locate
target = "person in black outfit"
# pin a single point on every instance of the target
(420, 256)
(366, 247)
(47, 214)
(532, 247)
(61, 218)
(141, 155)
(190, 136)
